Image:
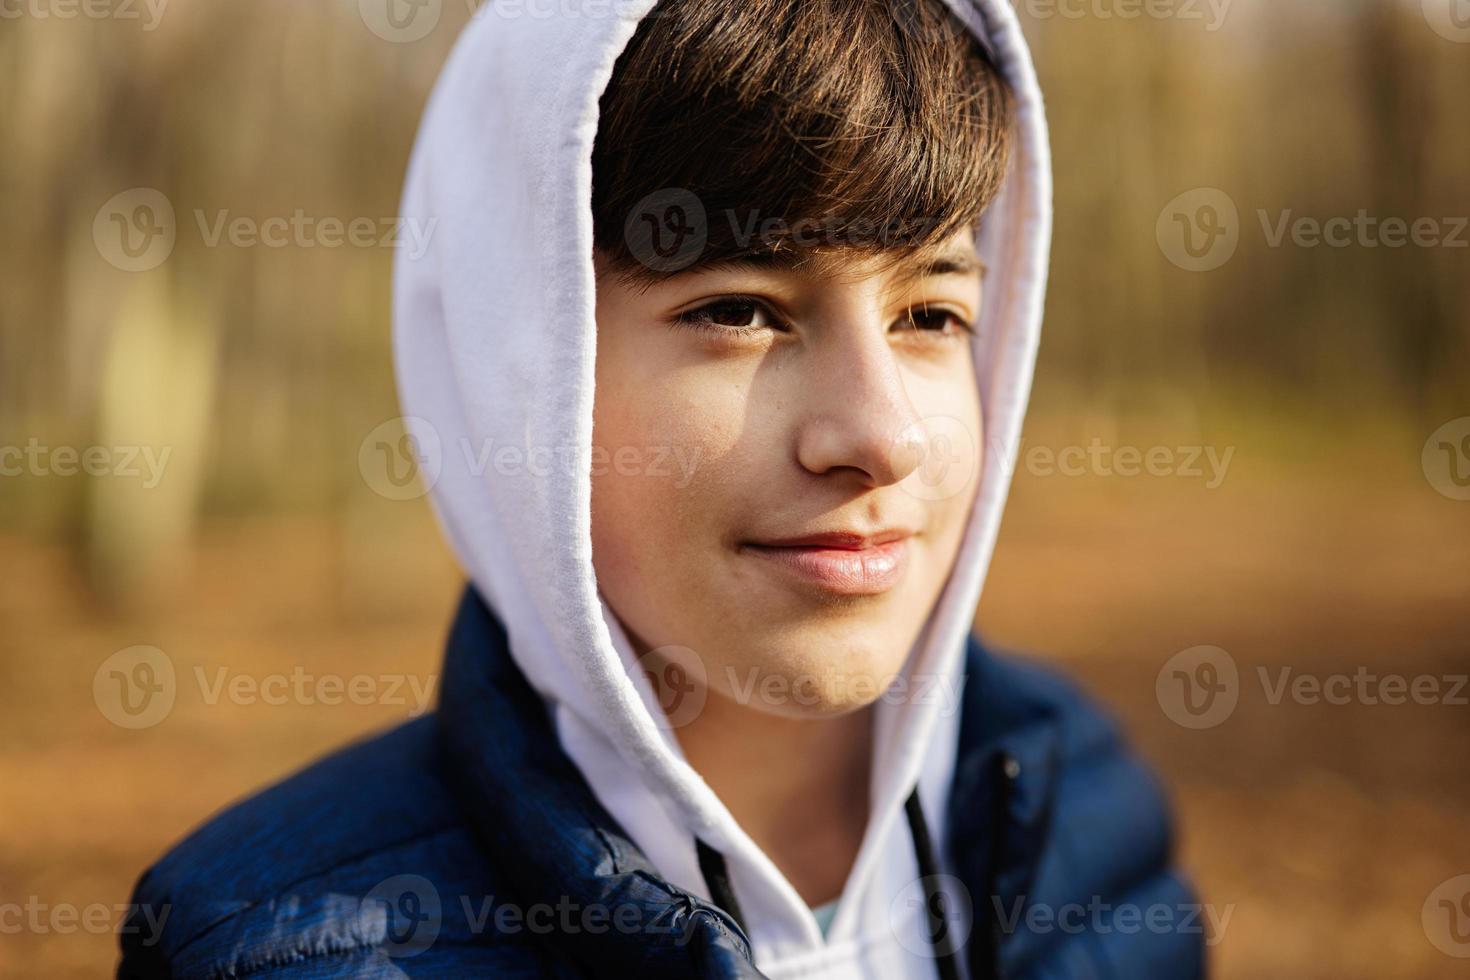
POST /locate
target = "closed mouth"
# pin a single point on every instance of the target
(844, 563)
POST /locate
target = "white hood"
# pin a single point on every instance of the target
(495, 340)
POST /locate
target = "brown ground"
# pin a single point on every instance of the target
(1324, 827)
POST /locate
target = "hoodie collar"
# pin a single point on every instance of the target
(546, 830)
(543, 826)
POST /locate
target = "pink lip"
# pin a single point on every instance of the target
(847, 564)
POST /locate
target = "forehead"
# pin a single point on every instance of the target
(952, 257)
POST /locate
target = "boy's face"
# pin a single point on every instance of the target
(784, 462)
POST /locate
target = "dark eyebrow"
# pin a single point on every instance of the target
(953, 264)
(784, 261)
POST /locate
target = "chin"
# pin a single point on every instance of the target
(823, 678)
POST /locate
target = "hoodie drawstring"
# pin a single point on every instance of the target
(935, 904)
(717, 879)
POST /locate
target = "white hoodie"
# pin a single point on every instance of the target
(495, 342)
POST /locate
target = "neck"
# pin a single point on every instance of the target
(798, 787)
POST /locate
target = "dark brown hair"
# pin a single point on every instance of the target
(787, 126)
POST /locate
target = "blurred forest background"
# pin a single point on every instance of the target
(1331, 545)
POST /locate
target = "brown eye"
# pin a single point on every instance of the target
(936, 320)
(733, 314)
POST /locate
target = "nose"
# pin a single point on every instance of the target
(856, 413)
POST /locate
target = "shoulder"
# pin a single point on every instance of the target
(1028, 709)
(1094, 890)
(358, 865)
(1006, 690)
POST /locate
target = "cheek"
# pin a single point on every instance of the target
(953, 438)
(663, 464)
(625, 499)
